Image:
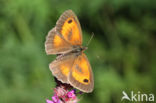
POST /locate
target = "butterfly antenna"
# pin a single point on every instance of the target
(90, 39)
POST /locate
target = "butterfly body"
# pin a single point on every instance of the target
(71, 65)
(76, 51)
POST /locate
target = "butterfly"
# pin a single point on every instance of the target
(71, 65)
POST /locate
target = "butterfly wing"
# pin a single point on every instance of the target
(74, 69)
(81, 76)
(65, 36)
(55, 44)
(69, 27)
(60, 68)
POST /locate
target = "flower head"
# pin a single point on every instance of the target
(60, 91)
(62, 95)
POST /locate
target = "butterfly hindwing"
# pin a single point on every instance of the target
(81, 75)
(60, 68)
(69, 27)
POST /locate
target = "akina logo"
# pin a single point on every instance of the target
(137, 96)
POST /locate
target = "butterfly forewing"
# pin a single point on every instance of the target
(69, 27)
(55, 44)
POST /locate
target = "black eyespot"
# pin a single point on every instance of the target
(85, 80)
(69, 21)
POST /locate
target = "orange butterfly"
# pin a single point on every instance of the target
(72, 65)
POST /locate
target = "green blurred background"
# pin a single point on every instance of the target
(122, 52)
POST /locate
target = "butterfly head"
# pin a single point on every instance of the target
(84, 48)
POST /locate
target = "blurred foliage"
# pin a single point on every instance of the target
(122, 52)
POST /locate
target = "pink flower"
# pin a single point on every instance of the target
(60, 91)
(71, 94)
(49, 101)
(62, 95)
(55, 98)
